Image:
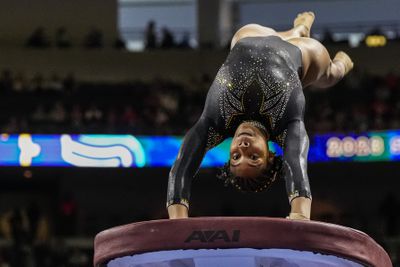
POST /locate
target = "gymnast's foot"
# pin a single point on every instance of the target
(304, 21)
(345, 59)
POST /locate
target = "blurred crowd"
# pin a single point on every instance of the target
(55, 104)
(61, 39)
(32, 236)
(152, 37)
(359, 103)
(167, 40)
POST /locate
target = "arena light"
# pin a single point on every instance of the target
(375, 40)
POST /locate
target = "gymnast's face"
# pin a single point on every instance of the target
(249, 152)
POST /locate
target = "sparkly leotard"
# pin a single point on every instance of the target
(259, 82)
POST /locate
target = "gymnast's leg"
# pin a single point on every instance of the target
(319, 69)
(301, 28)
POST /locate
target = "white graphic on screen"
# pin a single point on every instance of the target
(102, 151)
(129, 141)
(395, 145)
(28, 150)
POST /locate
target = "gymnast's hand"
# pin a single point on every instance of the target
(300, 209)
(297, 216)
(177, 211)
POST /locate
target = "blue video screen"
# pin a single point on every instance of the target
(90, 150)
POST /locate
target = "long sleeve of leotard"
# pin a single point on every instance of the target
(295, 161)
(188, 161)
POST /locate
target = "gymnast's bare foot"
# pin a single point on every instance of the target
(304, 21)
(345, 59)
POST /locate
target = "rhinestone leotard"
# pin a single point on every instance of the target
(259, 82)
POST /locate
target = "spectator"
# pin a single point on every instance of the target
(58, 113)
(150, 38)
(111, 120)
(94, 39)
(167, 40)
(38, 39)
(93, 114)
(69, 83)
(37, 83)
(6, 81)
(54, 84)
(78, 258)
(19, 83)
(12, 125)
(76, 117)
(161, 118)
(67, 215)
(185, 41)
(33, 216)
(129, 116)
(39, 115)
(19, 227)
(328, 37)
(119, 44)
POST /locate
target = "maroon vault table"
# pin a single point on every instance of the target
(236, 241)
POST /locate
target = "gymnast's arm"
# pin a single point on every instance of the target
(295, 170)
(185, 167)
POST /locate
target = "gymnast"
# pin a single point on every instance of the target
(257, 96)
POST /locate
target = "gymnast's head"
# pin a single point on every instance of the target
(251, 166)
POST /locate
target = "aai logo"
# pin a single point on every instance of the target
(209, 236)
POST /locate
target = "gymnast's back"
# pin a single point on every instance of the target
(259, 81)
(270, 50)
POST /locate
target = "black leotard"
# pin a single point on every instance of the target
(259, 81)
